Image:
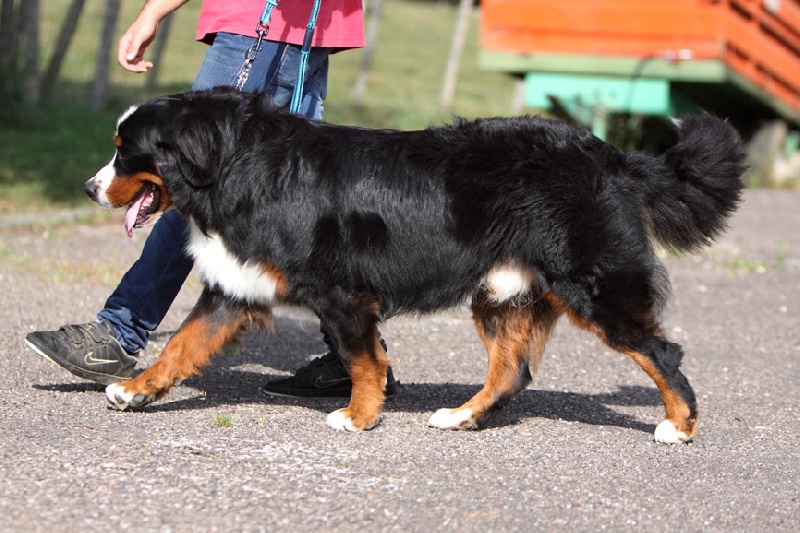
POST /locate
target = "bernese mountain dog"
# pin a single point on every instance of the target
(523, 219)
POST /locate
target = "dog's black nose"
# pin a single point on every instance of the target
(91, 189)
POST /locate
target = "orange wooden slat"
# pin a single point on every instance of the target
(761, 45)
(615, 26)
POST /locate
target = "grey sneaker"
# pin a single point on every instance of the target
(89, 351)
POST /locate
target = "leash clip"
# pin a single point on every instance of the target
(249, 57)
(261, 31)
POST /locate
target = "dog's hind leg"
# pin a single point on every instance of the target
(661, 359)
(514, 335)
(627, 323)
(215, 322)
(353, 328)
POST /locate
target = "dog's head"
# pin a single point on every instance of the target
(165, 148)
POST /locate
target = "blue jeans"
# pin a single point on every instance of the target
(146, 291)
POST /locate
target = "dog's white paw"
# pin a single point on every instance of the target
(667, 433)
(452, 419)
(120, 399)
(117, 397)
(337, 420)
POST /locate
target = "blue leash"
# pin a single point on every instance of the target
(261, 30)
(297, 95)
(263, 24)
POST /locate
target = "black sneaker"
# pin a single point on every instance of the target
(323, 377)
(89, 351)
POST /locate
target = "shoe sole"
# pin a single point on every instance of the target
(306, 397)
(323, 397)
(103, 379)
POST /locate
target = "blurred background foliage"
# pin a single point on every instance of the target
(55, 128)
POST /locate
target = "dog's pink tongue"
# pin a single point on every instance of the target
(132, 213)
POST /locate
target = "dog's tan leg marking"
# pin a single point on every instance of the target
(185, 355)
(680, 424)
(514, 338)
(368, 373)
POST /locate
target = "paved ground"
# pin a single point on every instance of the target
(574, 452)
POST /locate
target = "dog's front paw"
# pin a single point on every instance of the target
(667, 433)
(341, 421)
(119, 398)
(453, 419)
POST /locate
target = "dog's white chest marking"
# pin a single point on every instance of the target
(219, 267)
(507, 281)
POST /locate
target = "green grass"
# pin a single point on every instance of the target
(408, 70)
(47, 153)
(177, 70)
(224, 420)
(741, 264)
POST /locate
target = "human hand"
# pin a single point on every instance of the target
(134, 42)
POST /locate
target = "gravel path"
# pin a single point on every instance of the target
(574, 452)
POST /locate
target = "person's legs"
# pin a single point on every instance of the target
(324, 376)
(104, 351)
(224, 57)
(274, 69)
(148, 288)
(281, 82)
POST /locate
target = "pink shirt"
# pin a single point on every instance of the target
(340, 23)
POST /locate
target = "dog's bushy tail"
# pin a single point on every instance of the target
(689, 192)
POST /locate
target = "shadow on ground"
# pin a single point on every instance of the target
(232, 387)
(288, 347)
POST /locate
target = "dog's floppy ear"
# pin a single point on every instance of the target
(198, 143)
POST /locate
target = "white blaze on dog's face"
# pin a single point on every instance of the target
(132, 176)
(125, 114)
(101, 181)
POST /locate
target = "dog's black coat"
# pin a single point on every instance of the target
(416, 219)
(419, 217)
